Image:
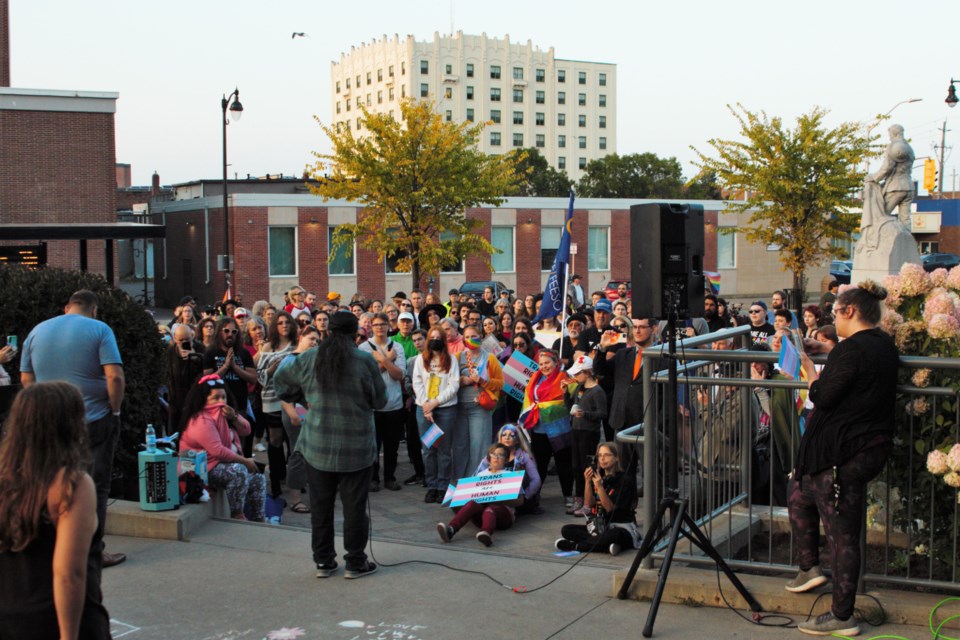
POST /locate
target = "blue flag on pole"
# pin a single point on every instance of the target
(556, 290)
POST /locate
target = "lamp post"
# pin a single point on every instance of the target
(866, 161)
(952, 94)
(236, 110)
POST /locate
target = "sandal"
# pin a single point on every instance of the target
(299, 507)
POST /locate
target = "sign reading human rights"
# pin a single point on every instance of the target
(494, 487)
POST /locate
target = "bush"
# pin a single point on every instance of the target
(32, 296)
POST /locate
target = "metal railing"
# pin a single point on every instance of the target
(732, 490)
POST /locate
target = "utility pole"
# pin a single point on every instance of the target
(943, 145)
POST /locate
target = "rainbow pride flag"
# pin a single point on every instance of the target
(711, 280)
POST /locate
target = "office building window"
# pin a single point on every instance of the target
(348, 105)
(561, 97)
(455, 266)
(341, 263)
(348, 83)
(282, 250)
(549, 243)
(358, 81)
(469, 69)
(582, 121)
(424, 90)
(369, 102)
(562, 141)
(494, 138)
(359, 123)
(582, 163)
(603, 122)
(403, 68)
(561, 75)
(448, 68)
(502, 238)
(561, 162)
(582, 99)
(448, 115)
(603, 79)
(540, 119)
(541, 97)
(403, 91)
(338, 106)
(495, 116)
(518, 117)
(424, 67)
(469, 115)
(582, 77)
(369, 77)
(726, 250)
(582, 142)
(561, 119)
(390, 93)
(541, 75)
(518, 95)
(448, 92)
(358, 101)
(338, 86)
(603, 100)
(495, 71)
(541, 141)
(379, 75)
(494, 94)
(598, 252)
(390, 71)
(469, 93)
(518, 139)
(603, 142)
(379, 97)
(518, 73)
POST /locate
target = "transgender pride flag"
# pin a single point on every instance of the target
(431, 436)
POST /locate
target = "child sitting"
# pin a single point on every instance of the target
(488, 515)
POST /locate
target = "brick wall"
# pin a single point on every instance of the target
(475, 268)
(4, 43)
(312, 238)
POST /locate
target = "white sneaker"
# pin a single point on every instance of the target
(260, 447)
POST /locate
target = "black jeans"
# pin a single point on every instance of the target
(543, 451)
(414, 451)
(354, 487)
(586, 541)
(104, 434)
(390, 426)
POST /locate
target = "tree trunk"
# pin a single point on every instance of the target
(798, 291)
(415, 273)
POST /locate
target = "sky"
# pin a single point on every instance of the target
(679, 64)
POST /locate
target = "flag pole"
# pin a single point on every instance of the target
(563, 316)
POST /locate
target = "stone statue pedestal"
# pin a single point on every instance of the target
(892, 247)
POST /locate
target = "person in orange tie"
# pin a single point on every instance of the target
(624, 368)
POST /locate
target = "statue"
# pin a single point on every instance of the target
(885, 242)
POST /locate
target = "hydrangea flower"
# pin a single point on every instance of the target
(937, 462)
(952, 479)
(914, 281)
(953, 279)
(939, 301)
(953, 458)
(938, 277)
(943, 327)
(921, 377)
(890, 321)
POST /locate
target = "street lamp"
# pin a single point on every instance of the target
(952, 94)
(236, 110)
(866, 161)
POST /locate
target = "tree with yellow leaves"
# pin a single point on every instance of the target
(415, 179)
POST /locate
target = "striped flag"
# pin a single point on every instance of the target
(431, 436)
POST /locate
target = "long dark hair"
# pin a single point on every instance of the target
(274, 338)
(335, 353)
(197, 399)
(45, 433)
(221, 325)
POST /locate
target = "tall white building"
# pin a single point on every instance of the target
(565, 108)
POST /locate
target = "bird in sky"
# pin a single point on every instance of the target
(299, 33)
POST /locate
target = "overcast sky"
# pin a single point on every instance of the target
(678, 64)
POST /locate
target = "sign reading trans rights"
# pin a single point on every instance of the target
(495, 487)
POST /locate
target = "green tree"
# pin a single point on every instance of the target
(539, 178)
(636, 175)
(795, 183)
(415, 178)
(704, 187)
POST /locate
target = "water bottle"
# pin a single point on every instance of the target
(151, 439)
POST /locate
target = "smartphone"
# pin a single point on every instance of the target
(12, 342)
(185, 345)
(592, 462)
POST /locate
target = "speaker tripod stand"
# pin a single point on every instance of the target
(681, 522)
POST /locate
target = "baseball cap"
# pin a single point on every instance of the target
(406, 315)
(604, 305)
(760, 303)
(583, 363)
(452, 291)
(333, 295)
(241, 312)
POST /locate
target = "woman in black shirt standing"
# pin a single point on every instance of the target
(847, 442)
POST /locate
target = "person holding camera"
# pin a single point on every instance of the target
(611, 525)
(184, 366)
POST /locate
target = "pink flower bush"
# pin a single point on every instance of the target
(914, 281)
(937, 302)
(953, 458)
(943, 327)
(938, 277)
(937, 462)
(921, 377)
(952, 479)
(890, 321)
(953, 279)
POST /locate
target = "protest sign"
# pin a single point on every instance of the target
(516, 374)
(494, 487)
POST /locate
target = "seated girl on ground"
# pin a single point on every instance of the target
(489, 515)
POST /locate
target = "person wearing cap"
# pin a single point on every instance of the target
(760, 329)
(337, 440)
(566, 345)
(404, 336)
(454, 299)
(576, 295)
(405, 340)
(334, 298)
(588, 410)
(240, 314)
(397, 297)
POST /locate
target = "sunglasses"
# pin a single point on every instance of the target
(519, 345)
(756, 310)
(230, 332)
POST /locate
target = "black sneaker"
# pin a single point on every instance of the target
(446, 531)
(391, 485)
(326, 569)
(365, 570)
(374, 486)
(562, 544)
(431, 496)
(412, 480)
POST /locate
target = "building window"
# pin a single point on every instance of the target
(603, 79)
(518, 139)
(469, 115)
(541, 141)
(348, 122)
(561, 119)
(390, 71)
(582, 142)
(403, 68)
(448, 116)
(561, 162)
(541, 75)
(582, 163)
(726, 250)
(561, 75)
(603, 122)
(379, 97)
(561, 97)
(424, 90)
(582, 99)
(348, 105)
(502, 238)
(379, 75)
(403, 91)
(582, 121)
(282, 250)
(598, 248)
(348, 83)
(424, 67)
(469, 69)
(338, 106)
(540, 119)
(562, 141)
(582, 77)
(494, 94)
(390, 93)
(448, 69)
(369, 77)
(541, 97)
(494, 138)
(603, 142)
(338, 86)
(451, 267)
(358, 81)
(495, 71)
(359, 123)
(341, 258)
(391, 262)
(549, 243)
(469, 93)
(495, 116)
(369, 103)
(518, 117)
(358, 101)
(518, 95)
(603, 100)
(518, 73)
(448, 92)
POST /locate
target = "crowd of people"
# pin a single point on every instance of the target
(329, 388)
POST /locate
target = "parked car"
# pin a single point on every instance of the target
(841, 270)
(933, 261)
(611, 289)
(475, 288)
